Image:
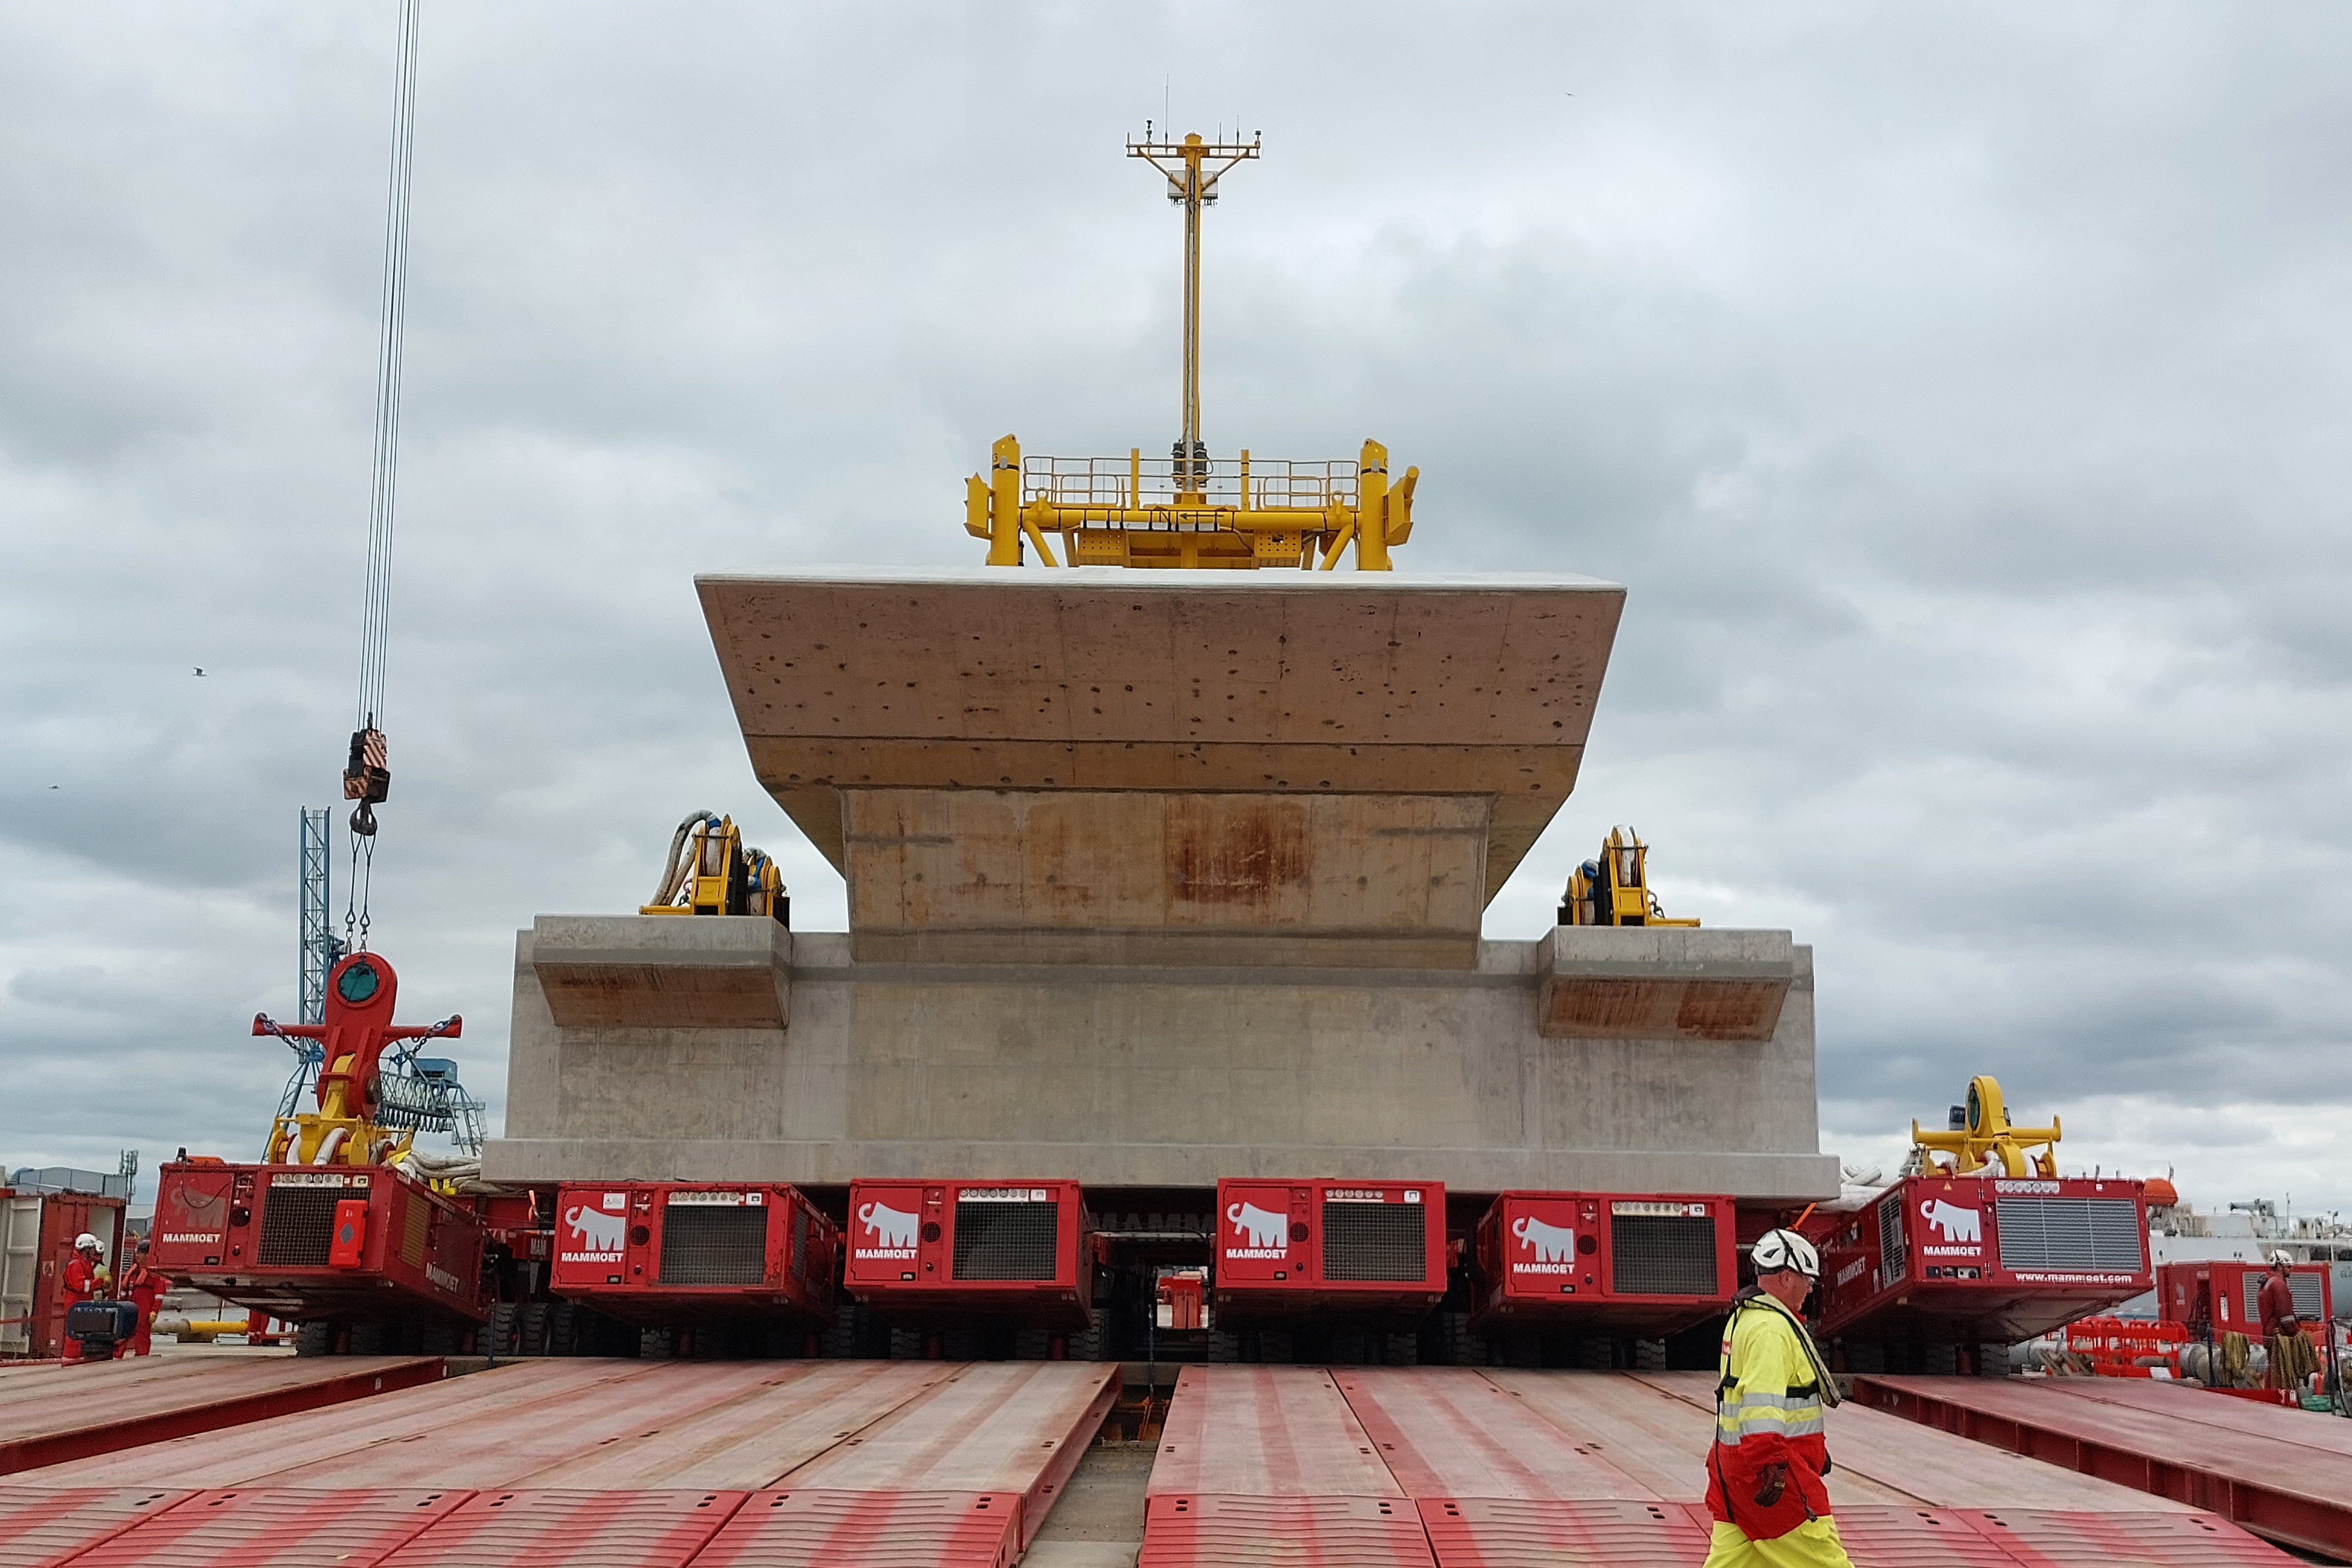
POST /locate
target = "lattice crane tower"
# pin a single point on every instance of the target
(1193, 510)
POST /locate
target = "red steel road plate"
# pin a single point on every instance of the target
(2178, 1403)
(1916, 1538)
(276, 1528)
(868, 1530)
(571, 1529)
(2285, 1490)
(1446, 1431)
(1206, 1530)
(2039, 1538)
(89, 1410)
(41, 1525)
(1509, 1532)
(1266, 1431)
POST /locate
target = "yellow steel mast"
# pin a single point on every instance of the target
(1192, 184)
(1192, 511)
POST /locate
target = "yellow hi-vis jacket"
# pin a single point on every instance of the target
(1769, 1425)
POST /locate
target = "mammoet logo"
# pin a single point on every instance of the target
(594, 1237)
(1957, 1224)
(1553, 1245)
(1265, 1233)
(191, 1239)
(892, 1231)
(443, 1278)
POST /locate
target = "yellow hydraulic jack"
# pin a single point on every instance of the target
(1613, 888)
(1980, 1135)
(717, 874)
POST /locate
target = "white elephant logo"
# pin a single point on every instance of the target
(595, 1232)
(890, 1228)
(1957, 1224)
(1266, 1229)
(1553, 1243)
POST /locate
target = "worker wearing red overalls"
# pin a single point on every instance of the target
(1765, 1472)
(2292, 1357)
(84, 1277)
(143, 1288)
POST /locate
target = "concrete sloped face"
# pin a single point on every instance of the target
(1436, 709)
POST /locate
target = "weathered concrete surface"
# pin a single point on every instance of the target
(1154, 1076)
(673, 971)
(1158, 878)
(1144, 876)
(1185, 682)
(1664, 982)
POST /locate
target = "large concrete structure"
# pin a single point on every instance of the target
(1156, 877)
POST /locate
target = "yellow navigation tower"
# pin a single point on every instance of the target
(1191, 510)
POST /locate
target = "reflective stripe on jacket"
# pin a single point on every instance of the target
(1769, 1411)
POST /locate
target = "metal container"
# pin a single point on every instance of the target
(936, 1249)
(1354, 1251)
(1628, 1264)
(663, 1253)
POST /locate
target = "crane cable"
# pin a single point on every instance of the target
(367, 779)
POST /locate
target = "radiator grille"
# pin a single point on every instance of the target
(297, 1226)
(714, 1245)
(1006, 1240)
(415, 1225)
(2306, 1297)
(801, 1263)
(2078, 1235)
(1662, 1255)
(1375, 1241)
(1893, 1251)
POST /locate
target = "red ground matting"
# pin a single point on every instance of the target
(1210, 1531)
(1917, 1538)
(2043, 1539)
(868, 1530)
(571, 1529)
(276, 1528)
(41, 1526)
(62, 1415)
(1493, 1533)
(2287, 1490)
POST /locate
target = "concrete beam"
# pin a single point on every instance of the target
(675, 971)
(1356, 682)
(1663, 982)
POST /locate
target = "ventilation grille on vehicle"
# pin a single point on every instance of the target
(415, 1227)
(803, 1266)
(714, 1245)
(1006, 1240)
(1894, 1252)
(2076, 1235)
(297, 1226)
(1375, 1241)
(2308, 1305)
(1662, 1255)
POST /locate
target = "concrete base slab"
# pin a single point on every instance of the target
(674, 971)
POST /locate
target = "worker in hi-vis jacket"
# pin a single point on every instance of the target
(1764, 1473)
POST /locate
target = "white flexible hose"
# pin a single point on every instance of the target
(674, 873)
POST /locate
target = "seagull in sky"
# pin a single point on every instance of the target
(200, 669)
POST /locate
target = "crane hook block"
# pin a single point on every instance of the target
(366, 778)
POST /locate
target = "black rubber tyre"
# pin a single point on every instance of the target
(1649, 1355)
(500, 1334)
(1939, 1360)
(374, 1339)
(437, 1339)
(1348, 1348)
(906, 1345)
(1086, 1344)
(563, 1330)
(656, 1344)
(531, 1329)
(844, 1340)
(1224, 1347)
(1401, 1350)
(316, 1337)
(1032, 1343)
(1597, 1355)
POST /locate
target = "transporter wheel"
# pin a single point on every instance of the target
(906, 1345)
(1350, 1347)
(1401, 1350)
(1992, 1361)
(783, 1339)
(1649, 1355)
(437, 1339)
(1032, 1343)
(843, 1340)
(372, 1339)
(499, 1335)
(563, 1331)
(1224, 1348)
(531, 1329)
(316, 1337)
(1865, 1355)
(1939, 1360)
(1086, 1344)
(1597, 1355)
(656, 1344)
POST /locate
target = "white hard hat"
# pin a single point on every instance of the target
(85, 1240)
(1780, 1250)
(2281, 1261)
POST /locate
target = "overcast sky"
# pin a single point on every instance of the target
(1960, 391)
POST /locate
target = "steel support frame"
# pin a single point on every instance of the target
(2291, 1518)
